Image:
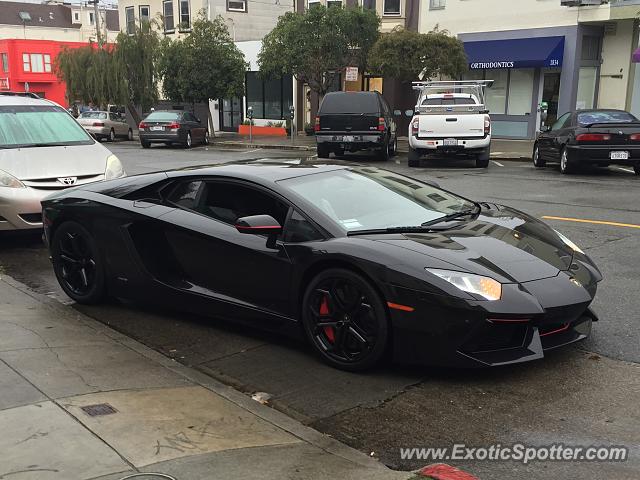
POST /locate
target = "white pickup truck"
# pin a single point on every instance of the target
(450, 118)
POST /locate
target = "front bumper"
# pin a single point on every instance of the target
(436, 145)
(20, 208)
(596, 154)
(530, 319)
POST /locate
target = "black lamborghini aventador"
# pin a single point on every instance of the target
(361, 261)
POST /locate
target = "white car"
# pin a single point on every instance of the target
(450, 119)
(42, 150)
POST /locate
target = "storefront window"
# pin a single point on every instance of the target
(586, 87)
(520, 91)
(496, 95)
(270, 98)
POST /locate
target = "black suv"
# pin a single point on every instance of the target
(352, 121)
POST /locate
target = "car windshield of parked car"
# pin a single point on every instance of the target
(605, 116)
(346, 103)
(365, 198)
(98, 115)
(163, 116)
(39, 126)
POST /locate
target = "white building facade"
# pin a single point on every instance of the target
(571, 57)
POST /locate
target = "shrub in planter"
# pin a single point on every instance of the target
(308, 129)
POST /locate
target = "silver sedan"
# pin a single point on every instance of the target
(105, 125)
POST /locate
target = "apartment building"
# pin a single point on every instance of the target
(32, 35)
(568, 53)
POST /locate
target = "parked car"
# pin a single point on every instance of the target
(43, 149)
(450, 119)
(590, 137)
(172, 126)
(105, 125)
(352, 121)
(361, 261)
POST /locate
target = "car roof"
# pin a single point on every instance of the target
(265, 170)
(7, 99)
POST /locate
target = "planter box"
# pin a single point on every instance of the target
(263, 131)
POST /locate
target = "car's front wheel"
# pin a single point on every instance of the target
(77, 264)
(188, 141)
(345, 320)
(538, 162)
(130, 135)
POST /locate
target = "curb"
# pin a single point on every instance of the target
(263, 145)
(268, 414)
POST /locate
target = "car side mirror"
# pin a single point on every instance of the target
(397, 113)
(545, 128)
(258, 225)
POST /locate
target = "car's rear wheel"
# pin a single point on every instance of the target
(345, 320)
(394, 147)
(77, 264)
(130, 135)
(565, 165)
(482, 160)
(188, 141)
(112, 135)
(414, 157)
(145, 144)
(384, 153)
(323, 151)
(538, 162)
(636, 168)
(206, 138)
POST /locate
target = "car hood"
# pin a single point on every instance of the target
(53, 162)
(503, 243)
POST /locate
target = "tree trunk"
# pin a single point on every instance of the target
(134, 113)
(212, 132)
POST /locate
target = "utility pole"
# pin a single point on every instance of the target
(96, 14)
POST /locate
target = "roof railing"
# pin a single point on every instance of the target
(19, 94)
(451, 84)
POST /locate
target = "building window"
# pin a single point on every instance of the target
(369, 4)
(391, 7)
(185, 16)
(271, 98)
(237, 5)
(36, 62)
(145, 14)
(511, 92)
(587, 81)
(167, 12)
(130, 18)
(311, 3)
(437, 4)
(5, 62)
(520, 91)
(76, 17)
(92, 18)
(334, 3)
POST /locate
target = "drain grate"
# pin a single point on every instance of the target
(98, 409)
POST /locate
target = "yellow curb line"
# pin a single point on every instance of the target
(596, 222)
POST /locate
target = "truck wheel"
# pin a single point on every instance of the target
(394, 147)
(482, 160)
(385, 152)
(145, 144)
(414, 157)
(323, 151)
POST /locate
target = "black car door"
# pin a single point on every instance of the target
(241, 268)
(551, 142)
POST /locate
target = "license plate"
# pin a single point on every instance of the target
(156, 129)
(348, 138)
(450, 142)
(619, 155)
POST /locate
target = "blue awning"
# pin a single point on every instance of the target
(516, 53)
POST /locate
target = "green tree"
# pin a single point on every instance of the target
(410, 56)
(206, 64)
(318, 44)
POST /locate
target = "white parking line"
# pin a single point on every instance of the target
(497, 163)
(254, 150)
(629, 170)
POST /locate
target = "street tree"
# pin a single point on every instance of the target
(409, 56)
(318, 44)
(205, 64)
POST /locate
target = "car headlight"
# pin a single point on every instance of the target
(114, 168)
(486, 287)
(7, 180)
(569, 243)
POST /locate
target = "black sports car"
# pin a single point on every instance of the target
(360, 260)
(590, 137)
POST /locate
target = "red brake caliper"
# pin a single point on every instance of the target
(324, 311)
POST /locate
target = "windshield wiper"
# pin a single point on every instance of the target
(454, 216)
(405, 229)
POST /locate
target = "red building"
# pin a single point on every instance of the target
(32, 62)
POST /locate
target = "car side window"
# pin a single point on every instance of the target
(562, 122)
(298, 229)
(227, 201)
(187, 194)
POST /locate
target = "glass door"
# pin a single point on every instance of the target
(550, 94)
(230, 114)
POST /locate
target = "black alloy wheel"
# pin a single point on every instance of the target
(385, 151)
(345, 320)
(76, 263)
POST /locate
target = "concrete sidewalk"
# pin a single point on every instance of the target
(81, 401)
(500, 149)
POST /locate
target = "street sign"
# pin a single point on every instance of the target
(351, 74)
(4, 83)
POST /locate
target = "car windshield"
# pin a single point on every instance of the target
(99, 115)
(163, 116)
(39, 126)
(605, 116)
(365, 198)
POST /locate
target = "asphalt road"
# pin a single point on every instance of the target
(587, 395)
